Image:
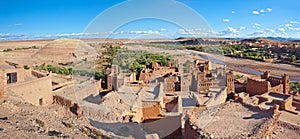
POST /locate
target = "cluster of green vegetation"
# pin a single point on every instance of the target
(147, 58)
(295, 86)
(54, 69)
(237, 76)
(111, 52)
(93, 73)
(7, 50)
(233, 49)
(69, 71)
(134, 61)
(167, 45)
(293, 59)
(26, 48)
(195, 47)
(26, 67)
(243, 51)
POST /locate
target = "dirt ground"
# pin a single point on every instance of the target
(236, 120)
(22, 120)
(286, 131)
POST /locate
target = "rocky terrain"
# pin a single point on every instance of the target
(285, 130)
(22, 120)
(231, 120)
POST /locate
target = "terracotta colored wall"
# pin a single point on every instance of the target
(230, 83)
(203, 86)
(255, 87)
(277, 89)
(274, 81)
(285, 104)
(35, 90)
(151, 110)
(164, 70)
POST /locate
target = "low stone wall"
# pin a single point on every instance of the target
(36, 92)
(73, 107)
(38, 74)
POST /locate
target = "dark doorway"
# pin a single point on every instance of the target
(41, 101)
(11, 77)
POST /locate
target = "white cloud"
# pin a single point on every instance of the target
(281, 29)
(241, 28)
(294, 29)
(143, 32)
(229, 32)
(163, 29)
(288, 25)
(269, 30)
(233, 12)
(18, 24)
(264, 33)
(256, 24)
(294, 22)
(196, 32)
(7, 35)
(269, 9)
(255, 12)
(226, 20)
(72, 34)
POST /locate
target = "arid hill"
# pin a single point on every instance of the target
(63, 50)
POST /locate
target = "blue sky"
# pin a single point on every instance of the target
(38, 19)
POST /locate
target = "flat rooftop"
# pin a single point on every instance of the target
(231, 120)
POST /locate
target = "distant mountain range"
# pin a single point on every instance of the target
(269, 38)
(281, 39)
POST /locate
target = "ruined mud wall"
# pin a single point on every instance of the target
(265, 130)
(205, 85)
(2, 87)
(38, 74)
(256, 87)
(73, 107)
(164, 70)
(274, 81)
(230, 83)
(151, 110)
(185, 83)
(36, 92)
(277, 89)
(286, 104)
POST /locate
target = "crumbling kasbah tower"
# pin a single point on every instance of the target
(284, 80)
(230, 83)
(286, 84)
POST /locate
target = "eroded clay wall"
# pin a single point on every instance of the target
(204, 85)
(277, 89)
(36, 92)
(274, 81)
(230, 83)
(151, 110)
(255, 87)
(73, 107)
(164, 70)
